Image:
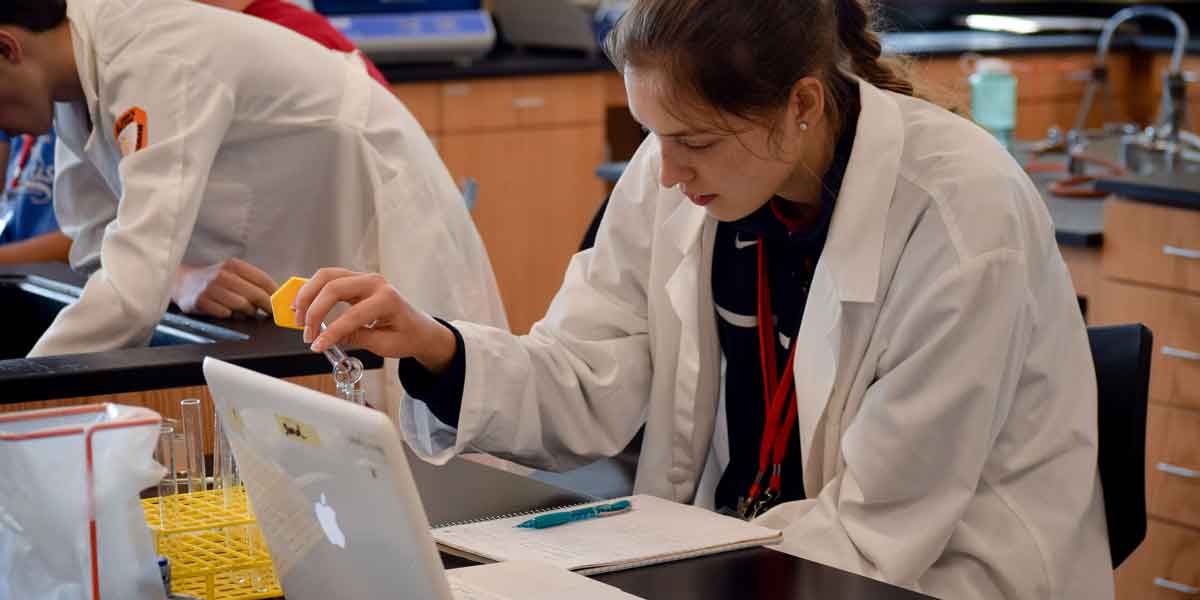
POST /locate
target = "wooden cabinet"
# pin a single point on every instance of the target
(1141, 283)
(533, 145)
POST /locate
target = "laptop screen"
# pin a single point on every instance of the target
(367, 7)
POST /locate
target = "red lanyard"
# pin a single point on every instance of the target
(778, 391)
(26, 149)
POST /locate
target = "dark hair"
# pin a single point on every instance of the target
(35, 15)
(742, 58)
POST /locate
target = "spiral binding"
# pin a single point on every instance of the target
(524, 513)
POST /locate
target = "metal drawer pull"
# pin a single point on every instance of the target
(1178, 471)
(457, 90)
(1179, 353)
(1181, 252)
(529, 102)
(1176, 586)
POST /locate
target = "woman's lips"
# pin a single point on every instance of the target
(701, 199)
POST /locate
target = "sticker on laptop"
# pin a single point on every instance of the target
(297, 430)
(130, 131)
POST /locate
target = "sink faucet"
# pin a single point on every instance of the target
(1173, 110)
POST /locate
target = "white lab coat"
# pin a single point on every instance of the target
(262, 145)
(947, 401)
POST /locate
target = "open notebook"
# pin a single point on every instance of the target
(655, 531)
(524, 580)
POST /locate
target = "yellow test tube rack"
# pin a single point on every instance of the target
(208, 541)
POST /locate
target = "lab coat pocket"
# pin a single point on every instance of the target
(223, 224)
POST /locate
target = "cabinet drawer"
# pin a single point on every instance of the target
(1151, 244)
(1173, 452)
(522, 101)
(1165, 567)
(424, 102)
(1174, 318)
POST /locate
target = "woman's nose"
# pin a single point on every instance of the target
(673, 172)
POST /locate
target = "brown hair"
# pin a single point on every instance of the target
(742, 57)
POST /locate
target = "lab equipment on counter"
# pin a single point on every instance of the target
(565, 24)
(347, 370)
(71, 524)
(415, 30)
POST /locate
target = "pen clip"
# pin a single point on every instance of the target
(610, 510)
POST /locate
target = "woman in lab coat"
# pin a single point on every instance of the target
(189, 133)
(935, 423)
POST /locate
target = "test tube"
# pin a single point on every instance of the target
(347, 373)
(168, 486)
(193, 431)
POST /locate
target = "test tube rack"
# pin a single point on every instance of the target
(206, 542)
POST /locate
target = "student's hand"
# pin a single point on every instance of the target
(379, 319)
(231, 287)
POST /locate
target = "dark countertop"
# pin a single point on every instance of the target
(1180, 190)
(506, 61)
(270, 349)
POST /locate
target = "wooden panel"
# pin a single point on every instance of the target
(424, 102)
(564, 100)
(1169, 552)
(166, 401)
(478, 105)
(1084, 265)
(538, 192)
(1175, 496)
(1174, 318)
(1136, 237)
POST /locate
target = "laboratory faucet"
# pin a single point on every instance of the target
(1173, 109)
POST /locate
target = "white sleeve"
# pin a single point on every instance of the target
(576, 388)
(187, 115)
(902, 492)
(83, 203)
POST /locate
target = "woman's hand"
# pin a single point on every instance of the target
(379, 319)
(222, 290)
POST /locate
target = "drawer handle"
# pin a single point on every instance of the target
(1176, 586)
(1181, 252)
(457, 90)
(1179, 353)
(526, 102)
(1177, 471)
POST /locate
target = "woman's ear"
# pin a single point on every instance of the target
(806, 105)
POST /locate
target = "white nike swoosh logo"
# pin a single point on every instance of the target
(739, 244)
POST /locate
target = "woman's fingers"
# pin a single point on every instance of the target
(351, 289)
(355, 325)
(308, 292)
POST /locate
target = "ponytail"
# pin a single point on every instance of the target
(864, 50)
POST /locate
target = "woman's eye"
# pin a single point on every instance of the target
(694, 145)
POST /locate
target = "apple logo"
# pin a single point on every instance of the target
(327, 517)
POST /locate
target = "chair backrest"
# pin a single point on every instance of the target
(1121, 354)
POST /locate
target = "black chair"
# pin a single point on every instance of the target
(1121, 354)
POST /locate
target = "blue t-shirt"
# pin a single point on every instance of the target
(29, 185)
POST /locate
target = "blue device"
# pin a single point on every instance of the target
(413, 30)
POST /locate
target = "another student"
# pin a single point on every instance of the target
(832, 305)
(29, 233)
(190, 134)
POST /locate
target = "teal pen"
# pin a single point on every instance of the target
(569, 516)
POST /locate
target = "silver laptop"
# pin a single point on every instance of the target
(331, 488)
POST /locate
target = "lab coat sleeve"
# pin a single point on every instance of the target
(577, 387)
(916, 449)
(83, 204)
(187, 115)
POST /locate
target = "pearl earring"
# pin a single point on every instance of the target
(803, 125)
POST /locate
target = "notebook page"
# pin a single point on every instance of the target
(525, 580)
(653, 529)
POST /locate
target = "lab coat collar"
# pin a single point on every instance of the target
(81, 22)
(853, 252)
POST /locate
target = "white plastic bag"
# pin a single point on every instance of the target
(45, 545)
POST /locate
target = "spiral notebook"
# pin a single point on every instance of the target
(654, 531)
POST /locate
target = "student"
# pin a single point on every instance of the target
(29, 233)
(174, 148)
(933, 401)
(232, 286)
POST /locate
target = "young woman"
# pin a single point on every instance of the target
(834, 307)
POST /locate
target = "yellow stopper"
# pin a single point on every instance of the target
(281, 303)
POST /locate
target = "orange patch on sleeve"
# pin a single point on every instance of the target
(130, 131)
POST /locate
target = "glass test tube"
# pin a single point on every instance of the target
(193, 431)
(168, 486)
(347, 373)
